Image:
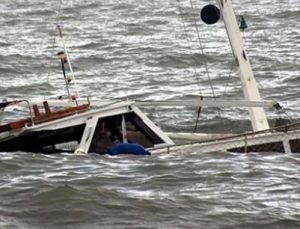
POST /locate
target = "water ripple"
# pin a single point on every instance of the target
(138, 50)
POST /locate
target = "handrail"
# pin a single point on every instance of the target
(19, 101)
(286, 128)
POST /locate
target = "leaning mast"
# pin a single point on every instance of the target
(64, 56)
(257, 114)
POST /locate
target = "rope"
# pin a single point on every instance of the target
(205, 61)
(194, 66)
(202, 49)
(42, 44)
(196, 61)
(58, 12)
(196, 75)
(190, 47)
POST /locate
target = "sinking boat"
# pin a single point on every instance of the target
(121, 127)
(81, 129)
(70, 125)
(283, 138)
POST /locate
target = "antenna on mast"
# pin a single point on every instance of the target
(65, 59)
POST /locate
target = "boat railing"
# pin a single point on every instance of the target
(5, 104)
(286, 128)
(20, 122)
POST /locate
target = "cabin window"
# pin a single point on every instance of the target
(295, 145)
(109, 131)
(60, 140)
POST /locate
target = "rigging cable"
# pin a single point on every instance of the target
(42, 63)
(194, 66)
(190, 47)
(205, 63)
(58, 12)
(202, 49)
(196, 61)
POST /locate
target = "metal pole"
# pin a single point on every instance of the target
(68, 58)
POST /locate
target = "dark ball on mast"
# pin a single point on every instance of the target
(210, 14)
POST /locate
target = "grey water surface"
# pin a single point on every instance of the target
(149, 50)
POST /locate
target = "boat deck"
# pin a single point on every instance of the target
(47, 116)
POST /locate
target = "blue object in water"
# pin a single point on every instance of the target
(128, 148)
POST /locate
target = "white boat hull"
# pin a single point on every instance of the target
(255, 142)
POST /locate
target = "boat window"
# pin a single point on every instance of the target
(295, 145)
(61, 140)
(109, 132)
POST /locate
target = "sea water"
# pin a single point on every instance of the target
(149, 50)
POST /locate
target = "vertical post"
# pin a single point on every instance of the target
(87, 136)
(124, 130)
(257, 114)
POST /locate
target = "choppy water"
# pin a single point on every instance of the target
(168, 191)
(139, 50)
